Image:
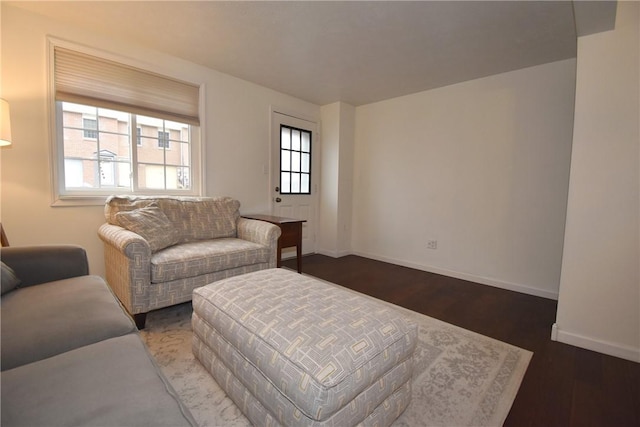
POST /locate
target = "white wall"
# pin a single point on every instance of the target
(599, 303)
(236, 133)
(345, 196)
(482, 167)
(337, 135)
(329, 158)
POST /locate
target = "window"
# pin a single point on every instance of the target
(295, 160)
(122, 130)
(110, 160)
(90, 127)
(163, 139)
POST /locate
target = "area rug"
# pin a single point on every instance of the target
(460, 378)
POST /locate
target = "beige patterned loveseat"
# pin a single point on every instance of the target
(158, 249)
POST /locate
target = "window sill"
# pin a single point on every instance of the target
(79, 201)
(99, 200)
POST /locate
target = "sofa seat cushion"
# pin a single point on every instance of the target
(203, 257)
(109, 383)
(44, 320)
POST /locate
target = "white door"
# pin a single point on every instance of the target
(294, 175)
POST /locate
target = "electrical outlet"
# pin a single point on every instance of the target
(432, 244)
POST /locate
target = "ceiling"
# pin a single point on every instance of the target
(357, 52)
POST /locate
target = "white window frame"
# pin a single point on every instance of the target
(63, 197)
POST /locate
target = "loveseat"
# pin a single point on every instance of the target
(70, 354)
(157, 250)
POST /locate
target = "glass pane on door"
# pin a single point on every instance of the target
(295, 160)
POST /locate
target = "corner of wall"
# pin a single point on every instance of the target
(600, 346)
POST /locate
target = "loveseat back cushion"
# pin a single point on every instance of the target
(116, 204)
(152, 224)
(51, 318)
(194, 218)
(202, 218)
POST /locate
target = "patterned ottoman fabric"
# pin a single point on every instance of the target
(384, 414)
(309, 352)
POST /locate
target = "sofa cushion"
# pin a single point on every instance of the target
(207, 256)
(110, 383)
(115, 204)
(152, 224)
(9, 281)
(48, 319)
(194, 218)
(202, 219)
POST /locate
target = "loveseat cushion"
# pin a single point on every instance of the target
(203, 257)
(152, 224)
(109, 383)
(193, 218)
(44, 320)
(202, 218)
(117, 204)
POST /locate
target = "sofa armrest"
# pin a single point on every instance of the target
(127, 266)
(261, 232)
(125, 241)
(40, 264)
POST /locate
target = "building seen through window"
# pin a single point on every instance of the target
(118, 151)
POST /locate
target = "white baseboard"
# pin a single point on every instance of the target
(600, 346)
(469, 277)
(333, 254)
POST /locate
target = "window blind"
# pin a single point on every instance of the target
(86, 79)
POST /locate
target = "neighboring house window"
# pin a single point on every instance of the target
(110, 121)
(295, 160)
(163, 139)
(90, 128)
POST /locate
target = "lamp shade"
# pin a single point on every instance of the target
(5, 124)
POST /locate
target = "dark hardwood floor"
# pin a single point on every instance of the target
(563, 386)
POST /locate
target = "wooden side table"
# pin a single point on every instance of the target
(291, 234)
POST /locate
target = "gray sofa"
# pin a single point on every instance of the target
(159, 249)
(70, 354)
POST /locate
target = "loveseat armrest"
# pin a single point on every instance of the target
(45, 263)
(127, 266)
(261, 232)
(125, 241)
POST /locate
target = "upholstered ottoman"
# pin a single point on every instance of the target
(293, 350)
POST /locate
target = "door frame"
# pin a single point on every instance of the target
(314, 126)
